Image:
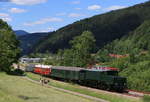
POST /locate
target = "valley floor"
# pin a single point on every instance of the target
(16, 89)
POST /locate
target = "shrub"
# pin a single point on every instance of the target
(146, 98)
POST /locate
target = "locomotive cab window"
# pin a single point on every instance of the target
(82, 71)
(115, 73)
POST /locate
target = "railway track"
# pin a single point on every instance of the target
(127, 93)
(137, 93)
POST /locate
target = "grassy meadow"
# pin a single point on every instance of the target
(18, 89)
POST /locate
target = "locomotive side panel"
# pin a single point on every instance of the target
(58, 73)
(65, 74)
(72, 75)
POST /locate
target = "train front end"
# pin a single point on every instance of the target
(119, 83)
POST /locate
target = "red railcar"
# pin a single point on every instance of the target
(42, 69)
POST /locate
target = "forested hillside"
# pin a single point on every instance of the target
(105, 27)
(136, 64)
(20, 32)
(138, 40)
(27, 41)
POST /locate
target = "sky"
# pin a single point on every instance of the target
(49, 15)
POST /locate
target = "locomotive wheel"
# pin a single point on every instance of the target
(103, 86)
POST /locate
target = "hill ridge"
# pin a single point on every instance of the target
(105, 27)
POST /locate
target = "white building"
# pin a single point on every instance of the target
(31, 60)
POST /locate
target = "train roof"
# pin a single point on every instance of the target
(100, 70)
(80, 69)
(68, 68)
(43, 66)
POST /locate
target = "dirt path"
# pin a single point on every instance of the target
(107, 92)
(67, 91)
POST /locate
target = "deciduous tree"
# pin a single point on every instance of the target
(9, 51)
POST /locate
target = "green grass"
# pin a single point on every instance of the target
(18, 89)
(146, 98)
(5, 97)
(77, 88)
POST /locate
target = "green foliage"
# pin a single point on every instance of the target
(82, 47)
(135, 42)
(17, 72)
(121, 63)
(9, 51)
(39, 55)
(146, 98)
(102, 56)
(134, 55)
(138, 76)
(85, 42)
(80, 53)
(68, 57)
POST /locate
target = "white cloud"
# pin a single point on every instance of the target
(75, 2)
(5, 17)
(43, 21)
(115, 7)
(94, 7)
(48, 29)
(51, 29)
(17, 10)
(28, 2)
(73, 15)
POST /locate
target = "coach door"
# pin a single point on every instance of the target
(82, 75)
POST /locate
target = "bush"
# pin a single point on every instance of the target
(18, 72)
(121, 63)
(146, 98)
(138, 76)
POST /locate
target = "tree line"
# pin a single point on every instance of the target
(9, 50)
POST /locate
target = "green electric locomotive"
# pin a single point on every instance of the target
(103, 79)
